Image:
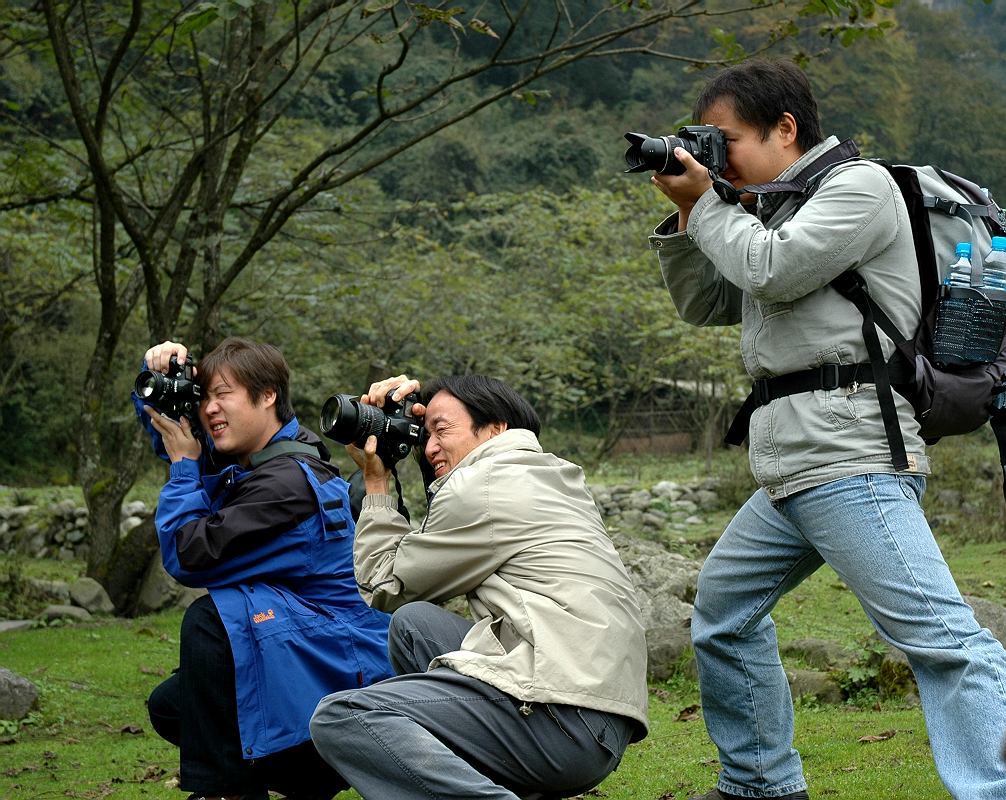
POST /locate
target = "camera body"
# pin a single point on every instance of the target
(176, 394)
(705, 143)
(346, 420)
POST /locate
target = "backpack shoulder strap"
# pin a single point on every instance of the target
(852, 286)
(812, 173)
(282, 448)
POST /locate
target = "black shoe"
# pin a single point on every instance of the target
(716, 794)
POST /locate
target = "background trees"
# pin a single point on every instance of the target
(428, 185)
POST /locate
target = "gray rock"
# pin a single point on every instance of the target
(135, 508)
(665, 645)
(74, 613)
(667, 489)
(654, 519)
(17, 695)
(160, 591)
(989, 615)
(88, 593)
(128, 524)
(15, 625)
(631, 518)
(57, 591)
(639, 500)
(707, 498)
(811, 683)
(819, 653)
(664, 584)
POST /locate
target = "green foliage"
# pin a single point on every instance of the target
(860, 682)
(426, 237)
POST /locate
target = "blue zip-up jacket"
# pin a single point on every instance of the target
(274, 547)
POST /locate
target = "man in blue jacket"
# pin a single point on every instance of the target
(253, 512)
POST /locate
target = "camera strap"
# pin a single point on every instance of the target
(282, 448)
(807, 177)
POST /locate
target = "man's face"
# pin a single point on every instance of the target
(750, 158)
(449, 426)
(237, 426)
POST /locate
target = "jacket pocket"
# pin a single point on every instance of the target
(769, 310)
(841, 407)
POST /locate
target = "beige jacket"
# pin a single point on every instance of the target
(516, 531)
(772, 276)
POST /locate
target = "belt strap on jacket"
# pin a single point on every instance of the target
(765, 390)
(827, 376)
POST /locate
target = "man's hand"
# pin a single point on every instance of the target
(375, 473)
(401, 386)
(178, 440)
(684, 190)
(158, 357)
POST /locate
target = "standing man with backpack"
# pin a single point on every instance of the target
(829, 489)
(254, 512)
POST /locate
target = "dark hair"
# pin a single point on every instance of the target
(259, 368)
(761, 91)
(488, 400)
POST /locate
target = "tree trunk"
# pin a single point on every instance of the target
(129, 563)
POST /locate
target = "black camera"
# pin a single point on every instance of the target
(346, 420)
(705, 143)
(175, 394)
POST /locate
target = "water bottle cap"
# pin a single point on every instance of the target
(963, 249)
(999, 242)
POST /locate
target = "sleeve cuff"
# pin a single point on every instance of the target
(186, 468)
(708, 198)
(380, 501)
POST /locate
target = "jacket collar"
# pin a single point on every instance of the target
(510, 439)
(768, 204)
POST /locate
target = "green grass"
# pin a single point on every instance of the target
(677, 759)
(91, 737)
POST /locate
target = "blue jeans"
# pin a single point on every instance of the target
(871, 530)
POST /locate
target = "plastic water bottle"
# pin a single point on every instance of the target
(952, 339)
(990, 315)
(995, 264)
(959, 273)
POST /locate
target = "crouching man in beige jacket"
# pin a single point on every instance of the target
(539, 696)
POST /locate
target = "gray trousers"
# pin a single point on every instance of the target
(440, 734)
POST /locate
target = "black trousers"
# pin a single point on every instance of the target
(196, 709)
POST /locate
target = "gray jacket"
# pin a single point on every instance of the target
(770, 272)
(516, 531)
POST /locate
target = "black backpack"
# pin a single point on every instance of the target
(948, 399)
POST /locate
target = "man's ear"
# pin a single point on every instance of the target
(786, 128)
(268, 398)
(497, 428)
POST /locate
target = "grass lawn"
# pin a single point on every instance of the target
(91, 737)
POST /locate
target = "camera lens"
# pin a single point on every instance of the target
(346, 420)
(654, 153)
(149, 385)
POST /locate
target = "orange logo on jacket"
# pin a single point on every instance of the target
(260, 617)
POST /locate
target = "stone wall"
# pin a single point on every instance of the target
(56, 531)
(59, 531)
